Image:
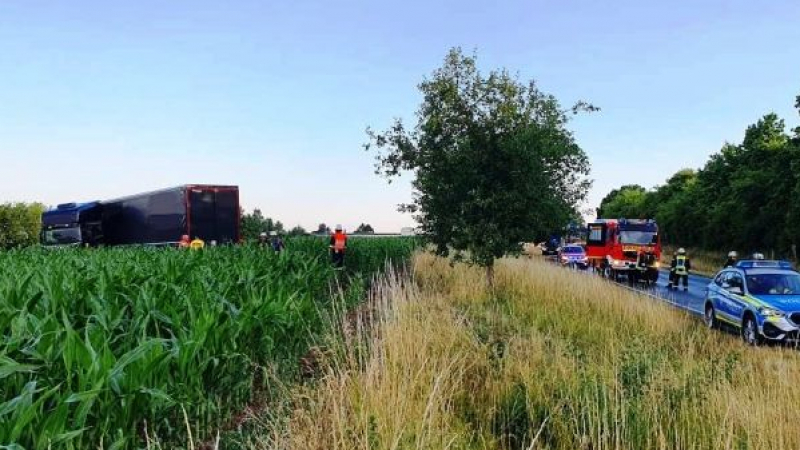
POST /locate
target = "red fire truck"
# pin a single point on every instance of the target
(618, 247)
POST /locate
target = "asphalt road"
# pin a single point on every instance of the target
(691, 300)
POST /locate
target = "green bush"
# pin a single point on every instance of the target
(20, 224)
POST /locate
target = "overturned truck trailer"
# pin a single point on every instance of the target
(153, 218)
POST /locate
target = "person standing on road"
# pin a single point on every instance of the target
(733, 258)
(277, 242)
(338, 245)
(680, 266)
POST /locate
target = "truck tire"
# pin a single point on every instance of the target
(653, 276)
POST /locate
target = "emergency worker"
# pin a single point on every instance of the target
(680, 266)
(184, 242)
(636, 274)
(263, 241)
(758, 256)
(733, 258)
(338, 245)
(197, 243)
(277, 242)
(672, 270)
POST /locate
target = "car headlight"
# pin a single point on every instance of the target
(770, 312)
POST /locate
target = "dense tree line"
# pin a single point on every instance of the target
(255, 223)
(746, 197)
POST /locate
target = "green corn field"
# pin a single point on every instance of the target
(104, 348)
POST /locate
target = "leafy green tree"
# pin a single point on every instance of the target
(297, 231)
(323, 229)
(20, 224)
(745, 197)
(796, 137)
(627, 201)
(364, 228)
(493, 161)
(255, 223)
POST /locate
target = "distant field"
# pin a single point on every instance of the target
(550, 360)
(114, 348)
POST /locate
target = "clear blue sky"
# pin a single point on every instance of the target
(101, 99)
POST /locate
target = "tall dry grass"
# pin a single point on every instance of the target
(549, 360)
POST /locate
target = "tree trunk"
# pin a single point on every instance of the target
(490, 276)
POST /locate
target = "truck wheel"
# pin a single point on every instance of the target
(750, 333)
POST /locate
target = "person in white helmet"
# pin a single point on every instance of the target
(733, 258)
(680, 268)
(338, 246)
(758, 256)
(263, 240)
(276, 241)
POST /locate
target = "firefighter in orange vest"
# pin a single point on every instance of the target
(338, 246)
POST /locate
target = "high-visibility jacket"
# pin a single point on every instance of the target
(681, 265)
(197, 244)
(339, 242)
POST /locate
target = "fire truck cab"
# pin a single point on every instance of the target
(629, 247)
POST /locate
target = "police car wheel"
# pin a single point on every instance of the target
(750, 332)
(710, 316)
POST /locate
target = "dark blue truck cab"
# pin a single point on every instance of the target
(154, 218)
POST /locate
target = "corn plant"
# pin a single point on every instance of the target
(105, 348)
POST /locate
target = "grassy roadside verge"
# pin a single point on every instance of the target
(549, 360)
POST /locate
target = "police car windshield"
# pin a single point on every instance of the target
(573, 250)
(638, 237)
(774, 284)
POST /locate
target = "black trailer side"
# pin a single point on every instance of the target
(151, 218)
(162, 217)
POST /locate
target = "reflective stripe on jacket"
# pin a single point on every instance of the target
(680, 265)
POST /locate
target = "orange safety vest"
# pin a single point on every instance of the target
(339, 241)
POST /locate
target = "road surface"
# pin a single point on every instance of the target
(691, 300)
